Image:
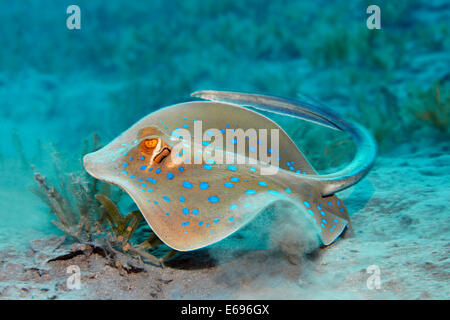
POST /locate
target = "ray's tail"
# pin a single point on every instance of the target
(332, 183)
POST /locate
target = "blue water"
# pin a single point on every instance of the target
(59, 86)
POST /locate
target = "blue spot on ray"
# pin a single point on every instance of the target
(203, 185)
(187, 184)
(213, 199)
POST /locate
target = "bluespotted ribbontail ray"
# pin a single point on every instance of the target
(192, 205)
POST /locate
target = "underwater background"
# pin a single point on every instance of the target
(63, 92)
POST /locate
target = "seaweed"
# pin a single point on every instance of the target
(86, 210)
(432, 107)
(19, 147)
(382, 116)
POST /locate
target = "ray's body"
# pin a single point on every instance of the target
(192, 205)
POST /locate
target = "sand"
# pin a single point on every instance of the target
(121, 66)
(402, 231)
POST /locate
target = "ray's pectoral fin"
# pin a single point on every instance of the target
(330, 215)
(339, 209)
(331, 226)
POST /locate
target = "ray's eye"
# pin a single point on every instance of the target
(148, 147)
(149, 144)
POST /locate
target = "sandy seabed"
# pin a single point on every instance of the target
(68, 85)
(401, 231)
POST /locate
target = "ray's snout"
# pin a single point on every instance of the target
(101, 164)
(96, 165)
(88, 163)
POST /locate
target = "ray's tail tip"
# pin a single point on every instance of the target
(198, 94)
(206, 94)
